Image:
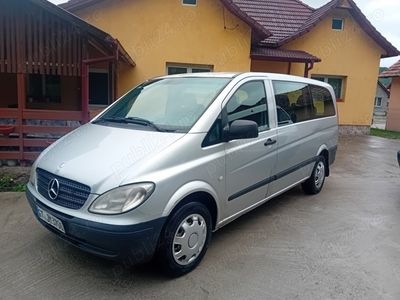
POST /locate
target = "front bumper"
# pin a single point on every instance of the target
(131, 244)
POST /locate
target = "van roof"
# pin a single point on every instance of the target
(273, 76)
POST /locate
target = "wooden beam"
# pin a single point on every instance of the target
(38, 142)
(46, 129)
(85, 93)
(21, 92)
(52, 115)
(10, 155)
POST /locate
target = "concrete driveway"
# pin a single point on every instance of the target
(341, 244)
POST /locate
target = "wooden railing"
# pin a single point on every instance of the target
(26, 141)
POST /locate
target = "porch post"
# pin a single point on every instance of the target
(289, 68)
(21, 94)
(85, 93)
(116, 78)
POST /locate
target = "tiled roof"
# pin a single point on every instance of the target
(394, 71)
(282, 55)
(282, 18)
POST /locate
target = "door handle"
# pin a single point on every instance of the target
(270, 142)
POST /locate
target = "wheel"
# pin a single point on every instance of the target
(314, 184)
(184, 240)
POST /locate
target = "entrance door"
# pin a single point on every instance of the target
(250, 162)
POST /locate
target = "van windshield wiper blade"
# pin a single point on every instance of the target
(134, 120)
(141, 121)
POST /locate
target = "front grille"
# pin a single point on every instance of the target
(71, 194)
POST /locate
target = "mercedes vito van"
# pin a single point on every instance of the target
(178, 157)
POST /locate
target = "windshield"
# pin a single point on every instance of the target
(170, 104)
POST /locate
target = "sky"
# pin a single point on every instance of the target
(383, 14)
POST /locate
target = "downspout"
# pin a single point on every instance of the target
(308, 67)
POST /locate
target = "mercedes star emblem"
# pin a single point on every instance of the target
(53, 189)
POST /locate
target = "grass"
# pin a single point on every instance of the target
(385, 133)
(10, 184)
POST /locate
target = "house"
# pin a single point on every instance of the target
(59, 64)
(334, 43)
(45, 55)
(393, 117)
(381, 100)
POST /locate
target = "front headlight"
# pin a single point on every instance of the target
(122, 199)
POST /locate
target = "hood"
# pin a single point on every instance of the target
(99, 156)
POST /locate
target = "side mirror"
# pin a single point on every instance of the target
(242, 129)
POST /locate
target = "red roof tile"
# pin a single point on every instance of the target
(282, 55)
(282, 18)
(394, 71)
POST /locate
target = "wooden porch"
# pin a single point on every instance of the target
(45, 56)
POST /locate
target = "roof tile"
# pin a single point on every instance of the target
(283, 55)
(281, 17)
(393, 71)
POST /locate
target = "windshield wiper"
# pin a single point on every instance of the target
(145, 122)
(134, 120)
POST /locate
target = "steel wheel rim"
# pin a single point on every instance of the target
(189, 239)
(319, 174)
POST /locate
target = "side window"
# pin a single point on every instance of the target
(249, 102)
(323, 102)
(293, 102)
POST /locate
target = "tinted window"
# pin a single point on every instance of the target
(323, 102)
(214, 136)
(337, 84)
(293, 102)
(249, 102)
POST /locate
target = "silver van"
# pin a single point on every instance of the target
(178, 157)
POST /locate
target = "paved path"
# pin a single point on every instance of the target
(341, 244)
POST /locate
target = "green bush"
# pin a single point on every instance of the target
(8, 184)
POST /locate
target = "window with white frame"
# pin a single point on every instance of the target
(337, 82)
(173, 69)
(378, 102)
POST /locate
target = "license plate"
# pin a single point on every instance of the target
(51, 220)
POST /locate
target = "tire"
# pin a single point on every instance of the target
(185, 239)
(315, 183)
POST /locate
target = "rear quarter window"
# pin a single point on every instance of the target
(323, 102)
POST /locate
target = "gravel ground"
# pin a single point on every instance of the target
(341, 244)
